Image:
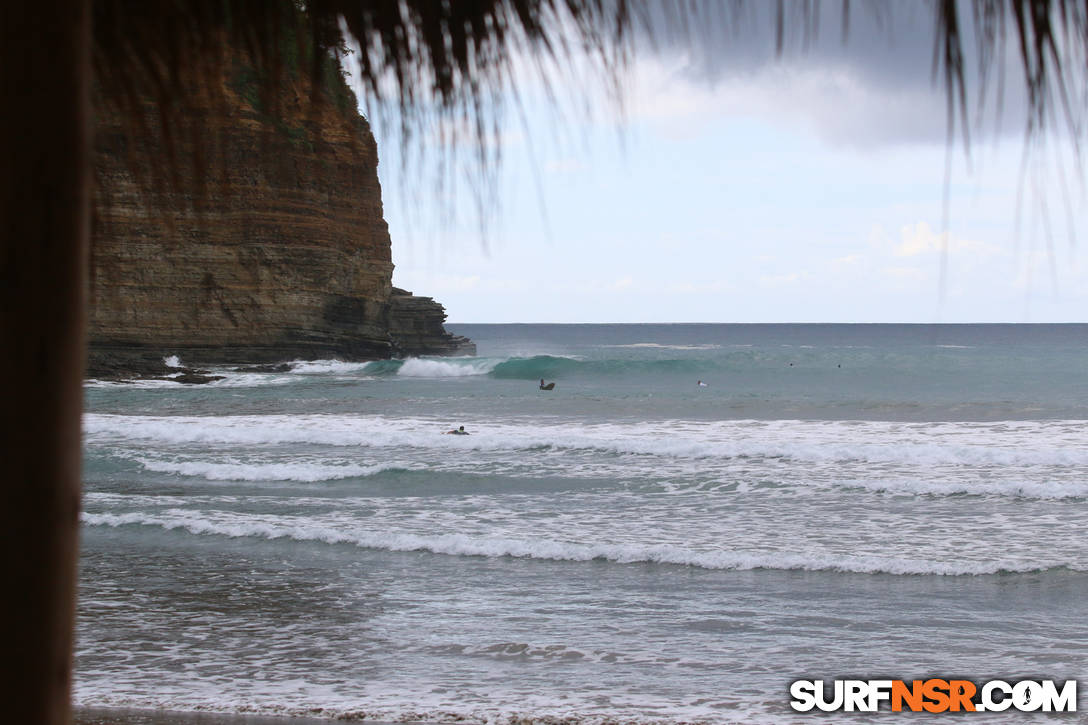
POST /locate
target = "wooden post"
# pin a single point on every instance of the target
(45, 74)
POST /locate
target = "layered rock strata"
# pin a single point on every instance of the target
(274, 249)
(416, 327)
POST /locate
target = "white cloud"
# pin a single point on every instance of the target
(905, 274)
(916, 239)
(713, 216)
(837, 102)
(874, 87)
(778, 280)
(849, 259)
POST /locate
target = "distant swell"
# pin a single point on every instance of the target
(551, 550)
(530, 368)
(549, 366)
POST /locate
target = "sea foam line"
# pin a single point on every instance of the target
(663, 346)
(553, 550)
(302, 472)
(392, 707)
(1042, 490)
(966, 444)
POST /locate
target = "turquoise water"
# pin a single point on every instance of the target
(838, 500)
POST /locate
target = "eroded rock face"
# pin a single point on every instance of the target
(284, 255)
(415, 326)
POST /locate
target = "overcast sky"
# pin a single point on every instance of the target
(739, 186)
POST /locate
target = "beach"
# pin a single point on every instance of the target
(866, 501)
(125, 716)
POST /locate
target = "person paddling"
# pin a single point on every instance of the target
(457, 431)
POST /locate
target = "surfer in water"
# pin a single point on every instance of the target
(549, 386)
(457, 432)
(701, 384)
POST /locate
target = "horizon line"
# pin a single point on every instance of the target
(768, 323)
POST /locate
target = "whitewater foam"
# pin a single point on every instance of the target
(1040, 490)
(137, 384)
(661, 346)
(269, 527)
(326, 367)
(415, 367)
(973, 444)
(628, 548)
(302, 472)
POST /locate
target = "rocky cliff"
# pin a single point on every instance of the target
(269, 246)
(415, 326)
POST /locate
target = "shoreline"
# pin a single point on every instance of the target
(82, 715)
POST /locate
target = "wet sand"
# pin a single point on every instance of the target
(126, 716)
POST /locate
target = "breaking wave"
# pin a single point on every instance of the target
(506, 368)
(553, 550)
(806, 441)
(514, 368)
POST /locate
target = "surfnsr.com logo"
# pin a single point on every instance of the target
(934, 695)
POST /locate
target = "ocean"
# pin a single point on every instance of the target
(837, 501)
